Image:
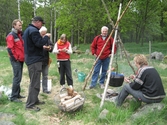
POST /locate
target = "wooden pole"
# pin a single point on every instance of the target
(150, 50)
(119, 38)
(111, 59)
(87, 78)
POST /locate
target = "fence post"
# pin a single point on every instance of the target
(150, 50)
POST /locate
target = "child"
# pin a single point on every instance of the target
(63, 50)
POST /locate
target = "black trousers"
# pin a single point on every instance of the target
(34, 87)
(65, 70)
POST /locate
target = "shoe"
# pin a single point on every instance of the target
(33, 108)
(102, 86)
(70, 86)
(62, 87)
(20, 96)
(47, 92)
(91, 87)
(40, 103)
(15, 100)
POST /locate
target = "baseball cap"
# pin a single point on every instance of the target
(38, 18)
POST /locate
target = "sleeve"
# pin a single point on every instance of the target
(10, 47)
(136, 84)
(55, 49)
(38, 40)
(93, 46)
(69, 51)
(51, 45)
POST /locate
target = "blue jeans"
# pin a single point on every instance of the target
(137, 94)
(45, 78)
(17, 76)
(100, 64)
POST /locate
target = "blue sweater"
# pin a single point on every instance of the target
(33, 45)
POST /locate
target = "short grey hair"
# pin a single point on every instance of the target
(104, 27)
(43, 28)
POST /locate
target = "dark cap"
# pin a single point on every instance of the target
(38, 18)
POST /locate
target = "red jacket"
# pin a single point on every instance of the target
(15, 45)
(98, 44)
(63, 55)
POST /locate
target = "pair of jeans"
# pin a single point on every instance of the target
(45, 77)
(17, 76)
(137, 94)
(103, 64)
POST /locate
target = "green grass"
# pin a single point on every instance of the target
(50, 114)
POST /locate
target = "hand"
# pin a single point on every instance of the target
(127, 80)
(46, 47)
(132, 76)
(64, 50)
(95, 55)
(48, 34)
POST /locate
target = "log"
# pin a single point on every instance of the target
(70, 100)
(65, 98)
(75, 104)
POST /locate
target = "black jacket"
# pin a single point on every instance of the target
(33, 45)
(149, 82)
(46, 53)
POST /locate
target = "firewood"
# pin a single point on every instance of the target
(71, 100)
(75, 105)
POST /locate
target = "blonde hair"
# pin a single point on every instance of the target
(63, 37)
(15, 21)
(140, 59)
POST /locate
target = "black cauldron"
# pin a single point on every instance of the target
(116, 79)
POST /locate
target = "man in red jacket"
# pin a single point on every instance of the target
(104, 59)
(16, 53)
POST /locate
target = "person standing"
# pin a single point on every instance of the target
(15, 48)
(146, 86)
(45, 64)
(34, 44)
(104, 59)
(63, 50)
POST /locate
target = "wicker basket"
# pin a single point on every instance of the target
(72, 104)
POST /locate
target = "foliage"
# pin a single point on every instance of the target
(50, 114)
(81, 20)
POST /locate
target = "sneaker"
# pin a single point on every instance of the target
(91, 87)
(70, 86)
(102, 86)
(62, 86)
(33, 108)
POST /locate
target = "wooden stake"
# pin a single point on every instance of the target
(88, 76)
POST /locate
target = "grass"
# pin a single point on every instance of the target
(50, 114)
